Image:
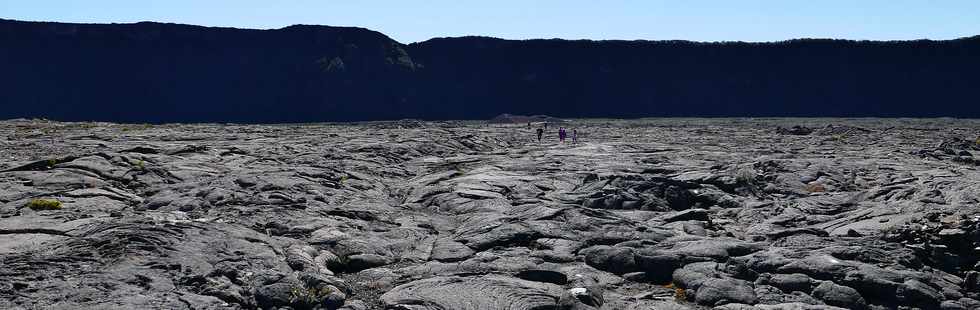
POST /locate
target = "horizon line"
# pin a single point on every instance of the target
(491, 37)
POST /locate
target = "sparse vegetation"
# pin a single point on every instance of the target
(679, 293)
(745, 176)
(309, 295)
(335, 64)
(44, 204)
(815, 188)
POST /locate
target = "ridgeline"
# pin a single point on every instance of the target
(153, 72)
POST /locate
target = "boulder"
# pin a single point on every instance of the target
(715, 292)
(617, 260)
(692, 276)
(839, 295)
(915, 292)
(658, 267)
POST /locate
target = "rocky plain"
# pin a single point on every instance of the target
(728, 214)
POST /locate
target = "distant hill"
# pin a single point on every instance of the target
(152, 72)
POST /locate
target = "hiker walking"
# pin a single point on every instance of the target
(540, 132)
(561, 134)
(574, 135)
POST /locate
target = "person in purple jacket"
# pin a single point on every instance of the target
(561, 134)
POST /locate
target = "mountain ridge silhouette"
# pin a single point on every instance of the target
(164, 72)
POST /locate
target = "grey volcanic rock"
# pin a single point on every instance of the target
(839, 295)
(613, 259)
(688, 215)
(472, 293)
(787, 282)
(446, 250)
(644, 214)
(546, 272)
(914, 292)
(360, 262)
(727, 290)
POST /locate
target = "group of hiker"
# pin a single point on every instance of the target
(562, 133)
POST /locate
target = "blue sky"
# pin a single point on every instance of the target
(411, 21)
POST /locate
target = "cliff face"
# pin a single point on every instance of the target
(175, 73)
(150, 72)
(675, 78)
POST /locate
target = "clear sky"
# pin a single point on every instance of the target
(412, 21)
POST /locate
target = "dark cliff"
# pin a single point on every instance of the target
(151, 72)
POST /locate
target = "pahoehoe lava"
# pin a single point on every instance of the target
(641, 214)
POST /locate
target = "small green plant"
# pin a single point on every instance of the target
(343, 179)
(309, 295)
(140, 165)
(44, 204)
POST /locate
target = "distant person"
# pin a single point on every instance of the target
(561, 134)
(574, 135)
(540, 132)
